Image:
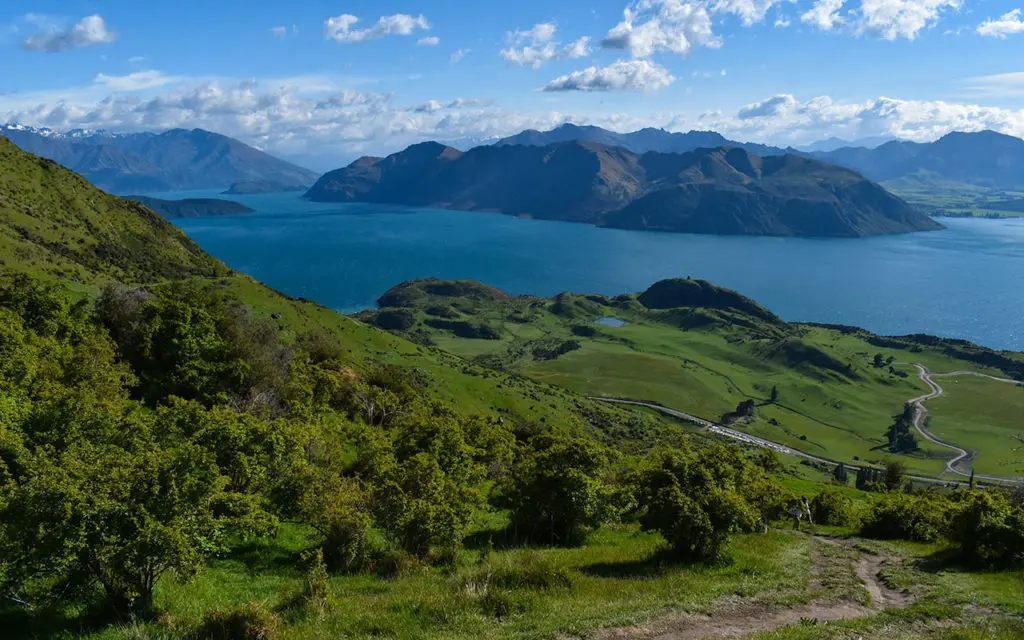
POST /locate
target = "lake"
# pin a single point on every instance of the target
(965, 282)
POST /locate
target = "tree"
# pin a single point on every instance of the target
(774, 397)
(118, 518)
(840, 474)
(557, 491)
(769, 460)
(895, 472)
(424, 480)
(879, 361)
(899, 435)
(830, 507)
(696, 501)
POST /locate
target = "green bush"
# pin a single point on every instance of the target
(989, 529)
(251, 621)
(901, 516)
(696, 501)
(556, 491)
(830, 507)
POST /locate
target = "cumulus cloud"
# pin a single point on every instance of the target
(340, 28)
(535, 47)
(679, 26)
(429, 41)
(782, 22)
(824, 14)
(457, 56)
(648, 26)
(325, 115)
(88, 31)
(631, 75)
(134, 81)
(279, 32)
(892, 19)
(1007, 24)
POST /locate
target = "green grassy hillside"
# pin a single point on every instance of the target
(55, 225)
(187, 454)
(701, 349)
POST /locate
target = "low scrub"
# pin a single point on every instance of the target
(251, 621)
(832, 508)
(900, 516)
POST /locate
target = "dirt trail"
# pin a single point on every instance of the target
(739, 618)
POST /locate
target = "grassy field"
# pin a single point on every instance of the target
(832, 401)
(986, 416)
(618, 579)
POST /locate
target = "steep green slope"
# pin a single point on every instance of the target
(54, 224)
(698, 348)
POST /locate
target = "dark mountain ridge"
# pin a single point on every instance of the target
(642, 141)
(720, 190)
(984, 158)
(178, 159)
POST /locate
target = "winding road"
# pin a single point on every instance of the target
(921, 413)
(956, 464)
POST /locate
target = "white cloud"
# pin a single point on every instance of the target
(137, 59)
(457, 56)
(1007, 24)
(543, 32)
(88, 31)
(279, 32)
(340, 29)
(536, 47)
(135, 81)
(649, 26)
(632, 75)
(326, 115)
(429, 41)
(433, 106)
(824, 14)
(782, 22)
(748, 11)
(893, 19)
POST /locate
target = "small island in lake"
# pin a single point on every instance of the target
(193, 207)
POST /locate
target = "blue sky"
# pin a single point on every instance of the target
(335, 79)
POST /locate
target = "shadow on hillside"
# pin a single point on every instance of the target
(944, 560)
(54, 622)
(656, 565)
(262, 556)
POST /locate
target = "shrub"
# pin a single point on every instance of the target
(251, 621)
(989, 529)
(556, 492)
(921, 517)
(830, 507)
(695, 501)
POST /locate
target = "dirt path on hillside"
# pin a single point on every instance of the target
(742, 617)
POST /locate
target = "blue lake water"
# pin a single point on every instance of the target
(965, 282)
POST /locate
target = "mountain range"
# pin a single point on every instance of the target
(981, 159)
(640, 141)
(176, 160)
(721, 190)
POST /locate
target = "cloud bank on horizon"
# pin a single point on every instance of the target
(623, 69)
